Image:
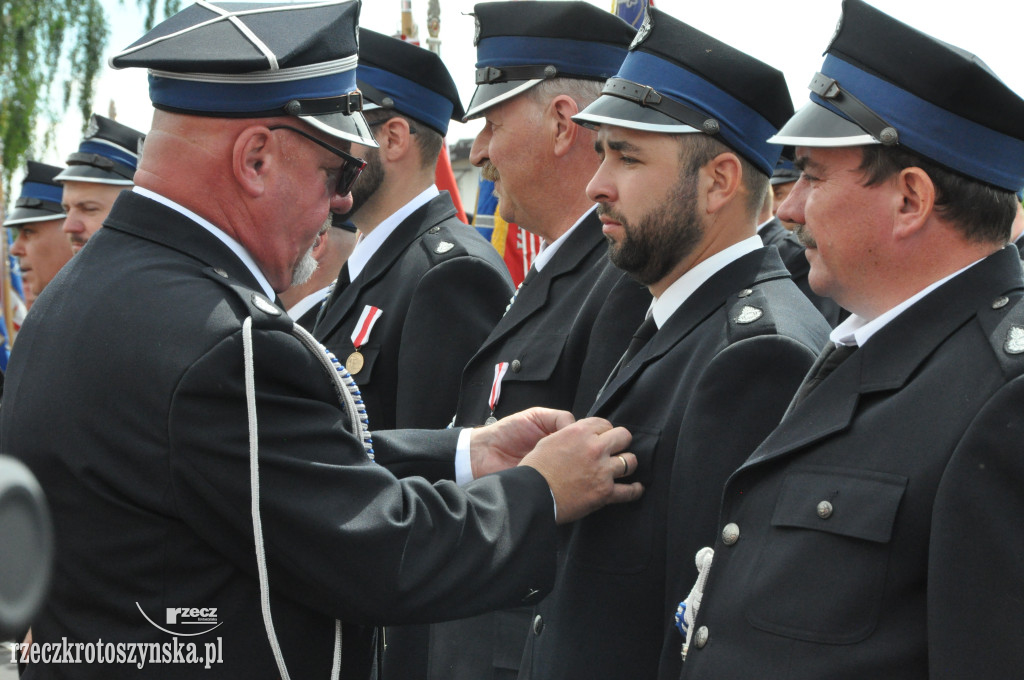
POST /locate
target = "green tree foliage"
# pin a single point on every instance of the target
(51, 52)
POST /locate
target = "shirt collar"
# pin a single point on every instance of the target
(307, 303)
(682, 288)
(231, 243)
(548, 250)
(371, 243)
(856, 330)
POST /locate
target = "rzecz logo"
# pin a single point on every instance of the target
(186, 616)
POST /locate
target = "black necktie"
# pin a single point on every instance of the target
(340, 284)
(646, 331)
(827, 362)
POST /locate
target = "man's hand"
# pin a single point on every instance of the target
(581, 462)
(503, 444)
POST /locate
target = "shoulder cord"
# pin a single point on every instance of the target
(349, 394)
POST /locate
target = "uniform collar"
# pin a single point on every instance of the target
(221, 235)
(548, 250)
(682, 288)
(371, 243)
(856, 330)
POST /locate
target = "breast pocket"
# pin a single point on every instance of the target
(534, 358)
(822, 569)
(619, 538)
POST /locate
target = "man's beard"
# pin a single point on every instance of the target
(659, 240)
(304, 270)
(369, 181)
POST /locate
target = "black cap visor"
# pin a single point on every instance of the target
(612, 110)
(492, 94)
(816, 126)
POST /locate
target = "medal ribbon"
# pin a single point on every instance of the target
(499, 374)
(361, 333)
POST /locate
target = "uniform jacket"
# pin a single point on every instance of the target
(567, 328)
(792, 253)
(879, 524)
(441, 288)
(148, 473)
(698, 398)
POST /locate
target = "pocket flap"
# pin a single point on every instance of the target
(856, 503)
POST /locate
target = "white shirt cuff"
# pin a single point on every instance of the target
(463, 464)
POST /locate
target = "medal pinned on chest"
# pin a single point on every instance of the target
(360, 334)
(500, 369)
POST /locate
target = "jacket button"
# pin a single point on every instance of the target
(516, 366)
(538, 624)
(730, 534)
(824, 509)
(701, 637)
(433, 230)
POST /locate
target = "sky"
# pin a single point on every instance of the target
(791, 35)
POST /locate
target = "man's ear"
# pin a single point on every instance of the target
(560, 125)
(723, 178)
(394, 138)
(915, 195)
(253, 157)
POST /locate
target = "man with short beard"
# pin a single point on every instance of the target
(683, 173)
(421, 290)
(538, 64)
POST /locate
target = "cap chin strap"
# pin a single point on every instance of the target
(348, 392)
(828, 89)
(647, 96)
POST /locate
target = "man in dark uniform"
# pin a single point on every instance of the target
(96, 175)
(421, 290)
(876, 532)
(213, 479)
(39, 244)
(538, 64)
(774, 233)
(681, 133)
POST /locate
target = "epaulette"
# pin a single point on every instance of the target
(265, 314)
(1003, 324)
(749, 314)
(441, 244)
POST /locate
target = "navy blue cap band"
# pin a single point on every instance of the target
(44, 192)
(741, 127)
(244, 97)
(572, 58)
(411, 99)
(934, 132)
(110, 151)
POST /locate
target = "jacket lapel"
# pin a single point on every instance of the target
(434, 212)
(761, 265)
(892, 356)
(533, 297)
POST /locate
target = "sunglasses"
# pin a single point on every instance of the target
(350, 168)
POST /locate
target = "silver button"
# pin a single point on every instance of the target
(516, 366)
(1000, 302)
(220, 272)
(730, 534)
(824, 509)
(701, 638)
(433, 230)
(538, 624)
(746, 292)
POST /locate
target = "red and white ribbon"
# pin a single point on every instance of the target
(499, 374)
(361, 333)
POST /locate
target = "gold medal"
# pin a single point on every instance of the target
(354, 363)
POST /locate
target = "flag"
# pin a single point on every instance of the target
(516, 246)
(14, 310)
(444, 178)
(631, 11)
